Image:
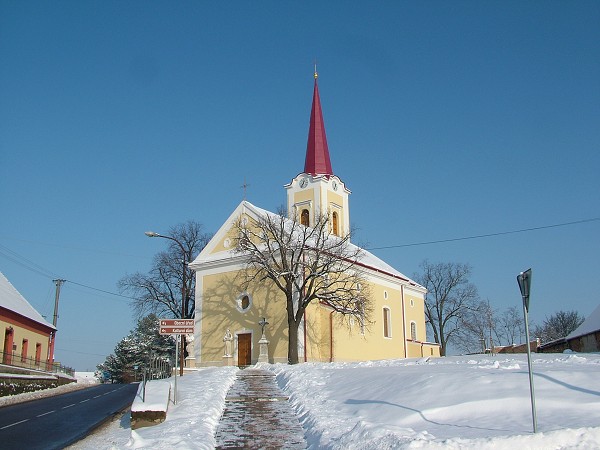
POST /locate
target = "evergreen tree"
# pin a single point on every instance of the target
(142, 347)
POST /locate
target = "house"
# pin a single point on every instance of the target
(585, 338)
(229, 317)
(28, 338)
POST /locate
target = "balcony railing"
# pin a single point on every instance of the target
(16, 360)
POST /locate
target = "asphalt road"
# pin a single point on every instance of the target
(55, 422)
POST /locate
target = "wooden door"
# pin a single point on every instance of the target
(244, 349)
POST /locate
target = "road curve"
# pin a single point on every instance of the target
(55, 422)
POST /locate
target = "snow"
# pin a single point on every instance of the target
(84, 379)
(590, 325)
(12, 300)
(468, 402)
(155, 398)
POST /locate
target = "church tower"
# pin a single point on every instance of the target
(317, 190)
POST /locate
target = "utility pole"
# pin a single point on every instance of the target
(58, 284)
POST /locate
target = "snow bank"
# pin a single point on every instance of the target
(475, 402)
(192, 422)
(154, 396)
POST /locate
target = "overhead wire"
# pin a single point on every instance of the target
(479, 236)
(34, 267)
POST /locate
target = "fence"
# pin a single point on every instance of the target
(158, 368)
(11, 359)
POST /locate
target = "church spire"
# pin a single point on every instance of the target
(317, 160)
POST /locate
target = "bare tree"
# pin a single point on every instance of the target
(511, 327)
(558, 325)
(307, 264)
(450, 299)
(160, 290)
(476, 331)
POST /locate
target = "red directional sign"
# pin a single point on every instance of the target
(176, 330)
(176, 326)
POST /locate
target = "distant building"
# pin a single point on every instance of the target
(585, 339)
(228, 314)
(28, 338)
(517, 348)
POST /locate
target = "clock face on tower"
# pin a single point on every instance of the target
(303, 182)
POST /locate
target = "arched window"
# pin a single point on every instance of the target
(413, 331)
(305, 217)
(387, 323)
(334, 221)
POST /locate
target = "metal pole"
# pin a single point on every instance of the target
(531, 389)
(183, 290)
(182, 356)
(176, 351)
(524, 280)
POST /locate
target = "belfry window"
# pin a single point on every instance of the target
(305, 217)
(334, 222)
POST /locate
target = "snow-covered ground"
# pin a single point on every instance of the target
(84, 379)
(469, 402)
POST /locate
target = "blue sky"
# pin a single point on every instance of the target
(445, 119)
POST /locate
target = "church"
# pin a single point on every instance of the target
(237, 324)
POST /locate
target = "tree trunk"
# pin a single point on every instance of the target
(293, 342)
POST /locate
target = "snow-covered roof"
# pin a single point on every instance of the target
(589, 325)
(367, 260)
(12, 300)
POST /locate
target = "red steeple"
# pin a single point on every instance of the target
(317, 160)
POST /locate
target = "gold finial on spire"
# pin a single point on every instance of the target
(316, 74)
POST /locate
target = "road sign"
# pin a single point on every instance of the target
(176, 330)
(176, 326)
(176, 322)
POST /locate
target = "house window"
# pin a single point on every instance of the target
(305, 217)
(243, 302)
(387, 323)
(413, 331)
(334, 221)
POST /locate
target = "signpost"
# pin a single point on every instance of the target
(524, 280)
(176, 327)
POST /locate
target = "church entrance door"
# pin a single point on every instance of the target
(244, 349)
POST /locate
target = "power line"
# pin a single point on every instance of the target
(26, 263)
(101, 290)
(30, 265)
(479, 236)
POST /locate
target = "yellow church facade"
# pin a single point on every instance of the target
(230, 316)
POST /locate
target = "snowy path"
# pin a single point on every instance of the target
(257, 415)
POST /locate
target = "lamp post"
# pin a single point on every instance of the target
(524, 280)
(181, 353)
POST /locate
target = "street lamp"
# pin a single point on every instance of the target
(524, 280)
(181, 353)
